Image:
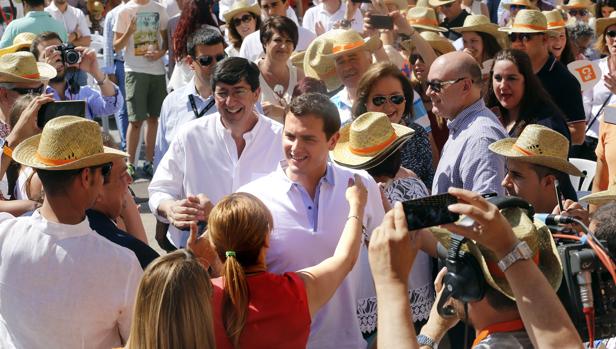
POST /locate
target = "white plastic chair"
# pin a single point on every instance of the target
(588, 169)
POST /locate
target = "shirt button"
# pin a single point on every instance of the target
(310, 207)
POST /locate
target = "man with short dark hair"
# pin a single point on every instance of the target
(61, 284)
(74, 21)
(36, 21)
(205, 48)
(306, 195)
(213, 156)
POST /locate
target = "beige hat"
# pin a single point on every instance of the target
(437, 3)
(528, 21)
(422, 3)
(538, 145)
(297, 59)
(317, 62)
(423, 18)
(367, 138)
(240, 6)
(22, 67)
(577, 4)
(535, 234)
(525, 3)
(555, 19)
(345, 41)
(66, 143)
(602, 23)
(402, 5)
(438, 42)
(601, 197)
(480, 23)
(20, 42)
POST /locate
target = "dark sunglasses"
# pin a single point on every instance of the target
(415, 57)
(395, 99)
(244, 19)
(205, 61)
(105, 169)
(437, 86)
(32, 91)
(448, 5)
(513, 37)
(517, 7)
(580, 12)
(611, 33)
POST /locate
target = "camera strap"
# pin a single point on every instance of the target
(597, 114)
(193, 105)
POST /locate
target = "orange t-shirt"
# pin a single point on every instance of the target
(606, 152)
(278, 315)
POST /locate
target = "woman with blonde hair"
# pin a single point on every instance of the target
(173, 305)
(257, 309)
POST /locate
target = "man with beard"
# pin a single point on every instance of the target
(106, 102)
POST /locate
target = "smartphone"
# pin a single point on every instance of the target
(60, 108)
(381, 22)
(429, 211)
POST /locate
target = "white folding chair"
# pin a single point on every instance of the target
(588, 168)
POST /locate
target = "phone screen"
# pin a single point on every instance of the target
(429, 211)
(60, 108)
(381, 22)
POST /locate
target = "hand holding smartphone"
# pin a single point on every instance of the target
(381, 22)
(429, 211)
(54, 109)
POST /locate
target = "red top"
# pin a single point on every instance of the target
(278, 315)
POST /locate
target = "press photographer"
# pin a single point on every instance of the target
(49, 48)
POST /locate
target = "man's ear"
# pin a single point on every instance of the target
(331, 143)
(189, 61)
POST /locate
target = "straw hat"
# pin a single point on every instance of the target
(422, 3)
(66, 143)
(602, 197)
(402, 5)
(318, 64)
(423, 18)
(368, 140)
(479, 23)
(538, 145)
(436, 41)
(526, 3)
(297, 59)
(20, 42)
(602, 23)
(535, 234)
(345, 41)
(528, 21)
(577, 4)
(437, 3)
(22, 67)
(555, 19)
(240, 6)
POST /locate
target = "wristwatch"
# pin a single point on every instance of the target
(426, 341)
(520, 251)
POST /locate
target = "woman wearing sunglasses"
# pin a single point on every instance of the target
(384, 88)
(242, 19)
(278, 77)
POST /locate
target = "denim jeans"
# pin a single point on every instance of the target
(121, 117)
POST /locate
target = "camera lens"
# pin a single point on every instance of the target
(71, 56)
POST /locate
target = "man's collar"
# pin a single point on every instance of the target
(461, 117)
(41, 13)
(288, 183)
(549, 64)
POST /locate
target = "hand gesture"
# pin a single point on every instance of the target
(52, 56)
(319, 28)
(190, 210)
(609, 80)
(437, 325)
(356, 193)
(491, 229)
(27, 126)
(393, 248)
(573, 209)
(202, 248)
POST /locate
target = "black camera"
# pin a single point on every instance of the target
(69, 55)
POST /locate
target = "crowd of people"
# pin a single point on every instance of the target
(281, 139)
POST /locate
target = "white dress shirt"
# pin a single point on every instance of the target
(176, 111)
(252, 48)
(595, 97)
(73, 19)
(203, 159)
(63, 286)
(318, 13)
(296, 244)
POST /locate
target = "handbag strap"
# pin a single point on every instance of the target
(598, 112)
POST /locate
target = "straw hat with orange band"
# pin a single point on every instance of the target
(528, 21)
(577, 4)
(555, 19)
(524, 3)
(66, 143)
(317, 62)
(345, 41)
(423, 18)
(21, 67)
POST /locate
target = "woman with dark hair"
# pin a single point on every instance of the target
(242, 19)
(559, 42)
(480, 37)
(603, 8)
(278, 77)
(517, 96)
(308, 85)
(383, 88)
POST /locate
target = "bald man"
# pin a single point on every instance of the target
(454, 86)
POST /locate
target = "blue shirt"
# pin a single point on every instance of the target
(312, 206)
(97, 105)
(34, 22)
(466, 162)
(109, 55)
(343, 103)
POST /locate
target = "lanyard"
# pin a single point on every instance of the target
(193, 105)
(508, 326)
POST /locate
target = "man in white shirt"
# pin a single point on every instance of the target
(205, 48)
(74, 22)
(213, 156)
(252, 48)
(332, 14)
(306, 195)
(62, 285)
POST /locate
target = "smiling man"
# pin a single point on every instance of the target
(213, 156)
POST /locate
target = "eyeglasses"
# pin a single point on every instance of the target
(517, 7)
(33, 91)
(513, 37)
(272, 5)
(205, 61)
(394, 99)
(611, 33)
(244, 19)
(580, 12)
(438, 86)
(105, 169)
(447, 5)
(415, 57)
(239, 93)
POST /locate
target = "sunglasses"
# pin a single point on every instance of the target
(244, 19)
(513, 37)
(105, 169)
(517, 7)
(205, 61)
(415, 57)
(33, 91)
(447, 5)
(611, 33)
(581, 13)
(394, 99)
(438, 86)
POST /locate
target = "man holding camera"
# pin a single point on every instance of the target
(48, 47)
